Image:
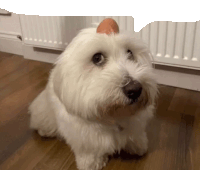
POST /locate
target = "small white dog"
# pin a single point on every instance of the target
(100, 96)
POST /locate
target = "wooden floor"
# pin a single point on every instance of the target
(174, 134)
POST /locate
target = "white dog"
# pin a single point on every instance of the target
(100, 96)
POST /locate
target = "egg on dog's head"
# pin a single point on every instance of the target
(108, 26)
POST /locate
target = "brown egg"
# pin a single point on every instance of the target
(108, 26)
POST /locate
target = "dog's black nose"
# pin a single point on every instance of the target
(133, 90)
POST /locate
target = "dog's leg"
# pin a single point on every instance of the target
(138, 146)
(87, 161)
(42, 117)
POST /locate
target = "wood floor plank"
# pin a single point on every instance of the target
(113, 164)
(179, 100)
(14, 103)
(193, 103)
(24, 69)
(10, 64)
(24, 81)
(15, 133)
(163, 138)
(194, 150)
(27, 157)
(55, 158)
(184, 138)
(4, 56)
(70, 163)
(197, 118)
(185, 101)
(14, 125)
(165, 96)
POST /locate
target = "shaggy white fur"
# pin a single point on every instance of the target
(84, 102)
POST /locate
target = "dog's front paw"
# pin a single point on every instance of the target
(89, 162)
(136, 149)
(46, 134)
(99, 163)
(141, 149)
(137, 146)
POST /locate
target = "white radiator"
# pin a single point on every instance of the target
(171, 43)
(56, 32)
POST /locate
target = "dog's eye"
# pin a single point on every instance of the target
(130, 54)
(98, 59)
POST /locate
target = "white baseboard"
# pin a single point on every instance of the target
(178, 77)
(9, 45)
(39, 54)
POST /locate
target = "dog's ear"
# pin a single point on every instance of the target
(108, 26)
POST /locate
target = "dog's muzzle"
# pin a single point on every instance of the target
(132, 90)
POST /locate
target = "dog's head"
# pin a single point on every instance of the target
(101, 71)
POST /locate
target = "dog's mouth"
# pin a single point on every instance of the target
(133, 101)
(123, 109)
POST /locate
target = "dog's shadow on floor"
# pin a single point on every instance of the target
(124, 156)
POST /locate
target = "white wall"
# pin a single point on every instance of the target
(10, 24)
(9, 30)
